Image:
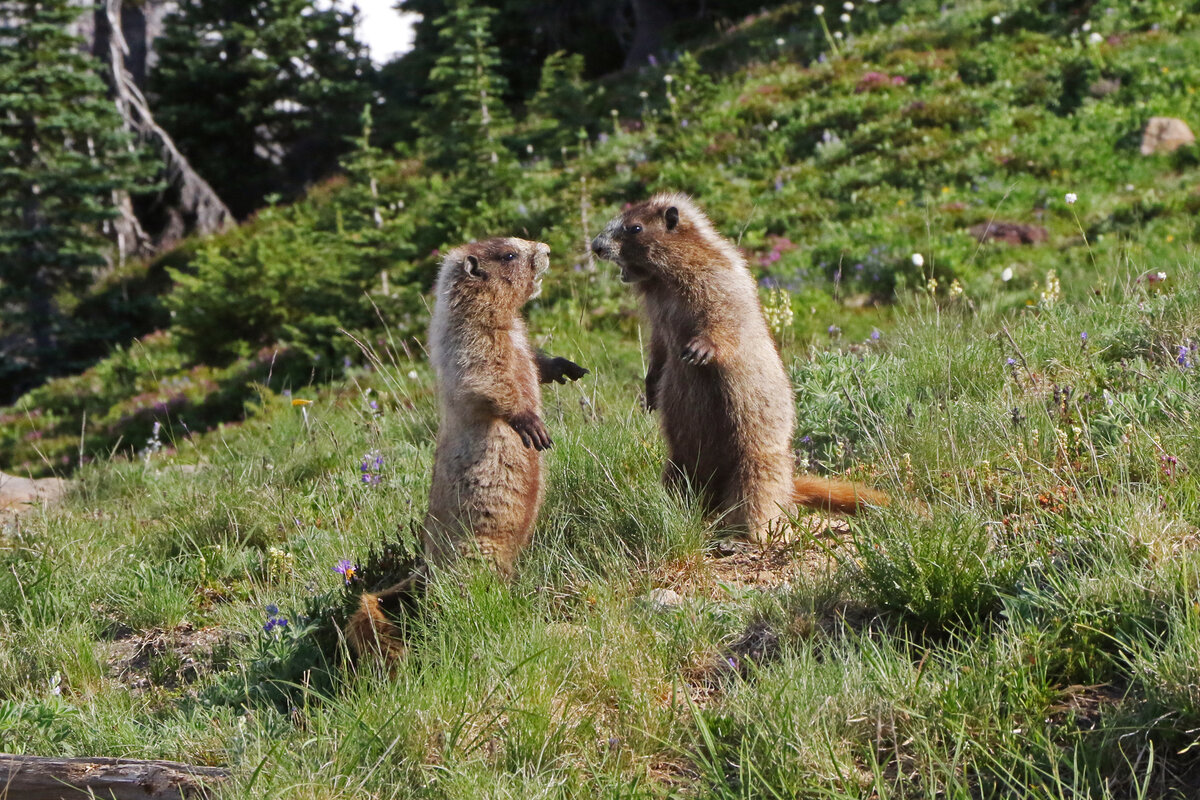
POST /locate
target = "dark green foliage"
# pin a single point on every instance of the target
(261, 96)
(934, 574)
(563, 108)
(466, 119)
(67, 161)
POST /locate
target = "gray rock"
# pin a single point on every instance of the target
(659, 600)
(1166, 135)
(19, 494)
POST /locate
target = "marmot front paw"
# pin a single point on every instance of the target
(532, 429)
(560, 370)
(699, 351)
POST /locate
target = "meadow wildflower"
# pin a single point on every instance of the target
(918, 260)
(845, 18)
(1181, 357)
(818, 10)
(1070, 197)
(1095, 38)
(346, 568)
(1006, 274)
(1053, 291)
(372, 468)
(875, 334)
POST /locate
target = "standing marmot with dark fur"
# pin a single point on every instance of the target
(487, 474)
(714, 373)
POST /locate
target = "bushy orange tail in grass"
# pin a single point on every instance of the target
(840, 497)
(370, 632)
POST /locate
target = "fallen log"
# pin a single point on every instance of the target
(39, 778)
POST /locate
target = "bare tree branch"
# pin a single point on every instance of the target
(202, 210)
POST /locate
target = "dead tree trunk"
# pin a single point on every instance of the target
(198, 207)
(36, 778)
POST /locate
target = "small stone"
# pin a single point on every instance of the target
(1166, 135)
(659, 600)
(19, 494)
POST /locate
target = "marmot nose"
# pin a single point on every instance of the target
(596, 248)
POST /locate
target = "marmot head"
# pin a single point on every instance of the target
(502, 273)
(664, 236)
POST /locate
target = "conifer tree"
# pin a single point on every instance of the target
(466, 115)
(260, 95)
(64, 162)
(562, 106)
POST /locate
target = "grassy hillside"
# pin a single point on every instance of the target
(832, 160)
(1021, 623)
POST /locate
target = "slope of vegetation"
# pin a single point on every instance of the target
(1021, 623)
(832, 160)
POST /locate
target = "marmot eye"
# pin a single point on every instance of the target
(509, 256)
(634, 229)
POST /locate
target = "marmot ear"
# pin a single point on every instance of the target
(672, 218)
(471, 267)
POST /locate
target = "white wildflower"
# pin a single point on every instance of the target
(845, 18)
(1071, 197)
(996, 20)
(779, 41)
(1006, 274)
(818, 10)
(1095, 38)
(848, 5)
(918, 260)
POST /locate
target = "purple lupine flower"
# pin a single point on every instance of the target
(372, 468)
(875, 334)
(346, 568)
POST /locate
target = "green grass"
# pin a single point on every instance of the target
(1022, 623)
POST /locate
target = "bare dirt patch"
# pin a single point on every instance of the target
(165, 658)
(732, 566)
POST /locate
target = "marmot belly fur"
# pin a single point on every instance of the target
(714, 374)
(487, 481)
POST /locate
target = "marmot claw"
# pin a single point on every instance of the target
(699, 351)
(563, 369)
(532, 430)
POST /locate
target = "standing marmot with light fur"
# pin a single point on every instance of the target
(487, 473)
(715, 375)
(487, 482)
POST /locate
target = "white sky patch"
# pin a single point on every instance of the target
(386, 31)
